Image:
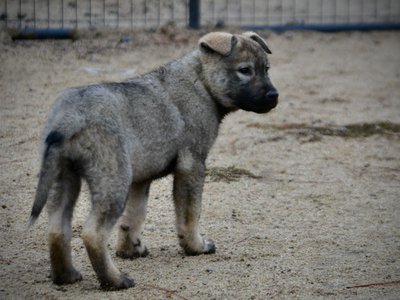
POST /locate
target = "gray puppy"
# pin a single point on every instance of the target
(119, 137)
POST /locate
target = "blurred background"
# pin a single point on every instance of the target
(125, 14)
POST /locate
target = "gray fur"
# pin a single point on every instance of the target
(119, 137)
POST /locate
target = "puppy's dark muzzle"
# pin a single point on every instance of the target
(272, 98)
(251, 100)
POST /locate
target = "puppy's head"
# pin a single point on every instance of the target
(235, 70)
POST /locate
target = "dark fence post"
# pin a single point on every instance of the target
(194, 14)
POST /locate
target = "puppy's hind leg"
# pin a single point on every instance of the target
(129, 243)
(108, 201)
(62, 198)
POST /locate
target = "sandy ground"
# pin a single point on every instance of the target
(321, 219)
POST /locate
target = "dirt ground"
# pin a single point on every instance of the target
(319, 220)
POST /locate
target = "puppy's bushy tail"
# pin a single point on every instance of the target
(48, 172)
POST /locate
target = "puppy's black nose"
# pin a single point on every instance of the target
(272, 95)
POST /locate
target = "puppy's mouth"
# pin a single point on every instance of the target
(272, 103)
(265, 110)
(255, 102)
(259, 107)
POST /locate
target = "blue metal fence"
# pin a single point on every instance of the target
(126, 14)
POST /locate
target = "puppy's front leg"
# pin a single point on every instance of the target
(188, 188)
(129, 243)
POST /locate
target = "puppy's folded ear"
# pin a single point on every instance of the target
(255, 37)
(218, 42)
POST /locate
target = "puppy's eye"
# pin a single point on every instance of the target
(245, 71)
(266, 69)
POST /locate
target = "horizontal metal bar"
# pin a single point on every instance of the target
(40, 34)
(327, 27)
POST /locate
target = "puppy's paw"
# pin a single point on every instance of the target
(131, 250)
(66, 277)
(133, 253)
(124, 282)
(208, 248)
